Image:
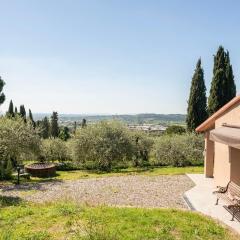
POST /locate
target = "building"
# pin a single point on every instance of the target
(222, 144)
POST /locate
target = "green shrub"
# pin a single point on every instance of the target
(18, 141)
(102, 145)
(68, 166)
(175, 129)
(178, 150)
(54, 149)
(142, 145)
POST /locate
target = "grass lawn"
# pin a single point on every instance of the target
(78, 174)
(69, 221)
(72, 175)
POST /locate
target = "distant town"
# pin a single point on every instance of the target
(149, 122)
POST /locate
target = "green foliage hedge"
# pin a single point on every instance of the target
(102, 145)
(178, 150)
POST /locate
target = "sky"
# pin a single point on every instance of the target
(112, 56)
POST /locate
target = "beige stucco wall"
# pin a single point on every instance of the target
(226, 159)
(232, 116)
(235, 165)
(208, 156)
(222, 165)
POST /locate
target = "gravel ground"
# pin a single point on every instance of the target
(138, 191)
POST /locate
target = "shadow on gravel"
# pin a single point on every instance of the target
(39, 186)
(6, 201)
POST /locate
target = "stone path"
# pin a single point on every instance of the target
(138, 191)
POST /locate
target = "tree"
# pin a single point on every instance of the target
(64, 134)
(18, 141)
(2, 95)
(22, 112)
(102, 145)
(31, 118)
(74, 127)
(197, 102)
(45, 128)
(175, 129)
(223, 87)
(15, 111)
(231, 87)
(84, 123)
(10, 112)
(54, 125)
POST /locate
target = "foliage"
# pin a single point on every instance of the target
(84, 123)
(175, 129)
(40, 221)
(6, 169)
(197, 102)
(10, 112)
(223, 87)
(141, 148)
(54, 149)
(103, 145)
(17, 139)
(178, 150)
(64, 133)
(2, 95)
(44, 127)
(54, 125)
(30, 116)
(22, 112)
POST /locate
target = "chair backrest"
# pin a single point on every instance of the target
(234, 189)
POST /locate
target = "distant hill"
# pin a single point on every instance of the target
(127, 118)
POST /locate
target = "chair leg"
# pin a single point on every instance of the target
(233, 215)
(217, 201)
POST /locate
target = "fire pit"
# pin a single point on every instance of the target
(41, 170)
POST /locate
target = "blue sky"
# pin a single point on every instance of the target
(112, 56)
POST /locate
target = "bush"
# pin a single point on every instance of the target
(142, 145)
(178, 150)
(54, 150)
(102, 145)
(68, 166)
(175, 129)
(18, 141)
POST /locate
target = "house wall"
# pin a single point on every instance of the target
(232, 116)
(222, 166)
(208, 156)
(235, 165)
(227, 159)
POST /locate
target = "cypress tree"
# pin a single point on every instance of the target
(223, 87)
(31, 118)
(15, 111)
(2, 95)
(22, 112)
(197, 102)
(54, 125)
(10, 112)
(231, 87)
(45, 128)
(64, 133)
(84, 123)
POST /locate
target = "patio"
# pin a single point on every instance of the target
(201, 199)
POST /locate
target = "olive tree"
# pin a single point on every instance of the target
(104, 144)
(54, 149)
(18, 141)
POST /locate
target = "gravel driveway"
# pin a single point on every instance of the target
(139, 191)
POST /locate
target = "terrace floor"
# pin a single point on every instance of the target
(201, 199)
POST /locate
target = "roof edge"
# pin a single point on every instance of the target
(210, 121)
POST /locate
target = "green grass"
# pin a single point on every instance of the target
(69, 221)
(72, 175)
(148, 171)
